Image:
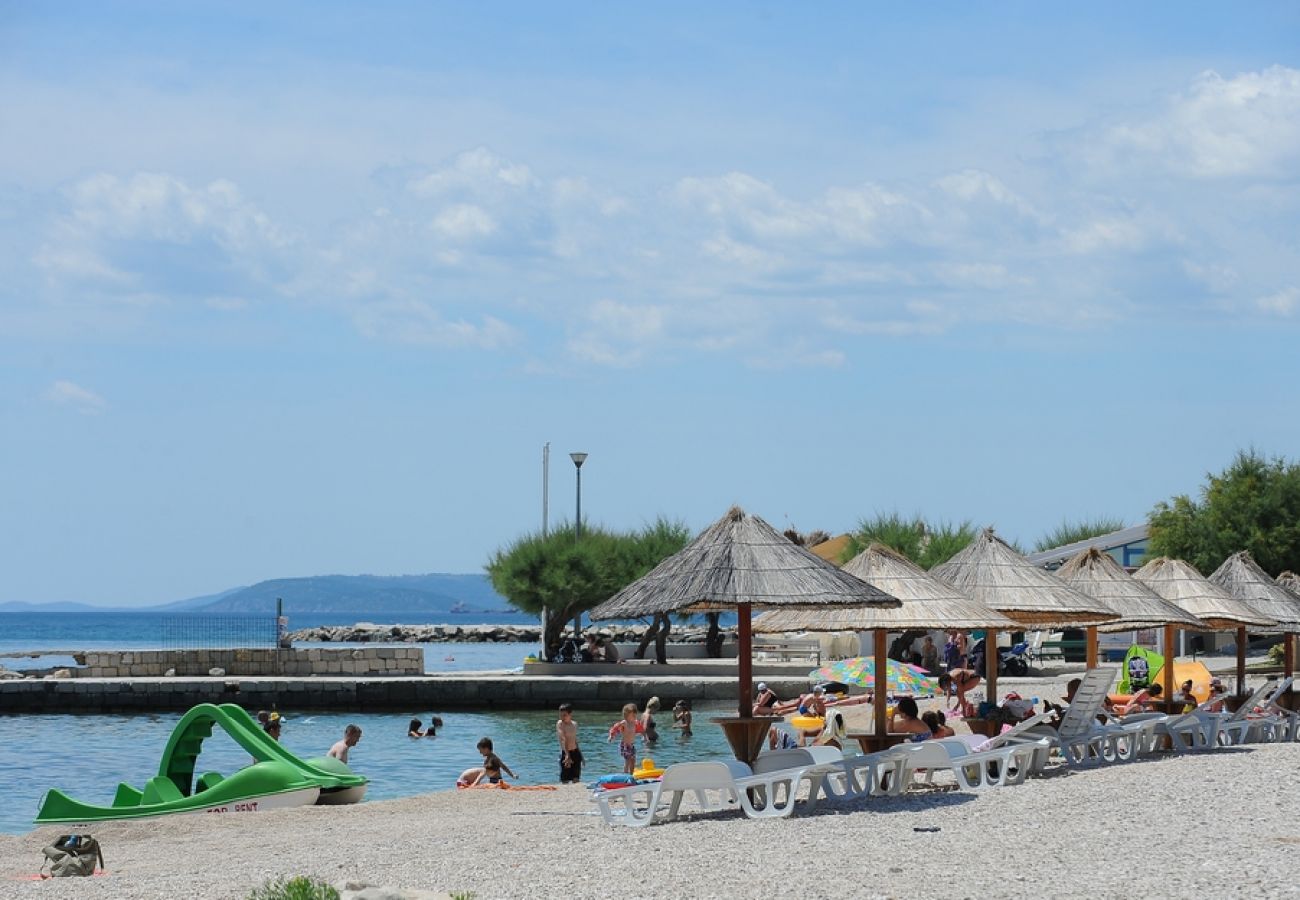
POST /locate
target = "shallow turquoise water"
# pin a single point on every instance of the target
(87, 755)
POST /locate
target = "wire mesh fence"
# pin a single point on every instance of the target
(221, 632)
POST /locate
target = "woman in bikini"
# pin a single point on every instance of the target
(959, 681)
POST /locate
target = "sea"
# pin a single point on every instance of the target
(88, 755)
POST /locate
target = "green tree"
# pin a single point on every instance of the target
(1070, 532)
(925, 544)
(566, 576)
(1254, 505)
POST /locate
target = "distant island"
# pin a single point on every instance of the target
(425, 596)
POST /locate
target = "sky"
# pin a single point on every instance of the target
(303, 288)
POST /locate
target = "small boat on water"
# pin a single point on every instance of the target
(277, 780)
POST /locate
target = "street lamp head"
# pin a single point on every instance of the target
(578, 459)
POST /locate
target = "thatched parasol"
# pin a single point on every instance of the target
(1242, 577)
(989, 571)
(1290, 581)
(740, 562)
(1096, 574)
(927, 602)
(1180, 583)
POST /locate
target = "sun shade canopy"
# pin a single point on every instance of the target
(740, 559)
(1181, 584)
(1242, 577)
(1098, 575)
(989, 571)
(927, 602)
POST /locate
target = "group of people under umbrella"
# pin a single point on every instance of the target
(741, 563)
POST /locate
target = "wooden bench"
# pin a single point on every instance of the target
(809, 649)
(1056, 649)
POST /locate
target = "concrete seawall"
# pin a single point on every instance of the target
(389, 693)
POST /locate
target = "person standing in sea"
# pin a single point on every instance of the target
(351, 735)
(566, 730)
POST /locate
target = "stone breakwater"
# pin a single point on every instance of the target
(368, 632)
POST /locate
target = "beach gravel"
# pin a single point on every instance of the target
(1214, 824)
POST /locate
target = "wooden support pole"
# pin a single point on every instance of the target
(991, 664)
(1169, 664)
(1241, 660)
(745, 660)
(880, 696)
(1288, 655)
(1091, 657)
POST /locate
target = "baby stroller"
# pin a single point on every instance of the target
(568, 652)
(1011, 661)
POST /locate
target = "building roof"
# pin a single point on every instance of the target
(1103, 542)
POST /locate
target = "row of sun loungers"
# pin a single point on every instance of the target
(781, 781)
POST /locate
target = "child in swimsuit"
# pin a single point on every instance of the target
(626, 729)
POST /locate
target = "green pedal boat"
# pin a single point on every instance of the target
(278, 779)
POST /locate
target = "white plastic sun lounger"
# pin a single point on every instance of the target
(973, 770)
(712, 784)
(1080, 737)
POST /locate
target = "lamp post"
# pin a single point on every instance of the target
(578, 460)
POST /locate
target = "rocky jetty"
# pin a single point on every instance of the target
(368, 632)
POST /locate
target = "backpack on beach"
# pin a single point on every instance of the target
(73, 854)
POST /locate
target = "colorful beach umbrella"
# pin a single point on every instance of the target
(900, 678)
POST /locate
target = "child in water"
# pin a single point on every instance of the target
(682, 717)
(626, 729)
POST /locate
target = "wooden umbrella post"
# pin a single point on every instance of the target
(1169, 665)
(879, 694)
(1092, 654)
(991, 664)
(1241, 660)
(745, 733)
(745, 660)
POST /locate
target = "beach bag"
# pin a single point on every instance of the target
(73, 854)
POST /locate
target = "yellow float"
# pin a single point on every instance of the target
(647, 769)
(808, 723)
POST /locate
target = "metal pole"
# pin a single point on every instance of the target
(546, 503)
(578, 460)
(546, 485)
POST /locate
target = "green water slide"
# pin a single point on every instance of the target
(277, 778)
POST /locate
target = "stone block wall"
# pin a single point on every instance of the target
(361, 661)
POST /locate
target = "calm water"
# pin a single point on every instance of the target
(21, 632)
(87, 756)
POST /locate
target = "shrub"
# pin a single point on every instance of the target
(300, 887)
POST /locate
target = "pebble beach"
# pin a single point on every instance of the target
(1209, 824)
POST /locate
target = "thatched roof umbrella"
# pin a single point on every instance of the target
(1242, 577)
(1100, 577)
(989, 571)
(927, 602)
(1290, 581)
(740, 562)
(1180, 583)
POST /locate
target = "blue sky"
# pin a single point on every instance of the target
(298, 289)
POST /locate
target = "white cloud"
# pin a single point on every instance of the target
(464, 221)
(1244, 125)
(74, 396)
(1284, 303)
(421, 323)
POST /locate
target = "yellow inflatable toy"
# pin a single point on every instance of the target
(647, 769)
(807, 723)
